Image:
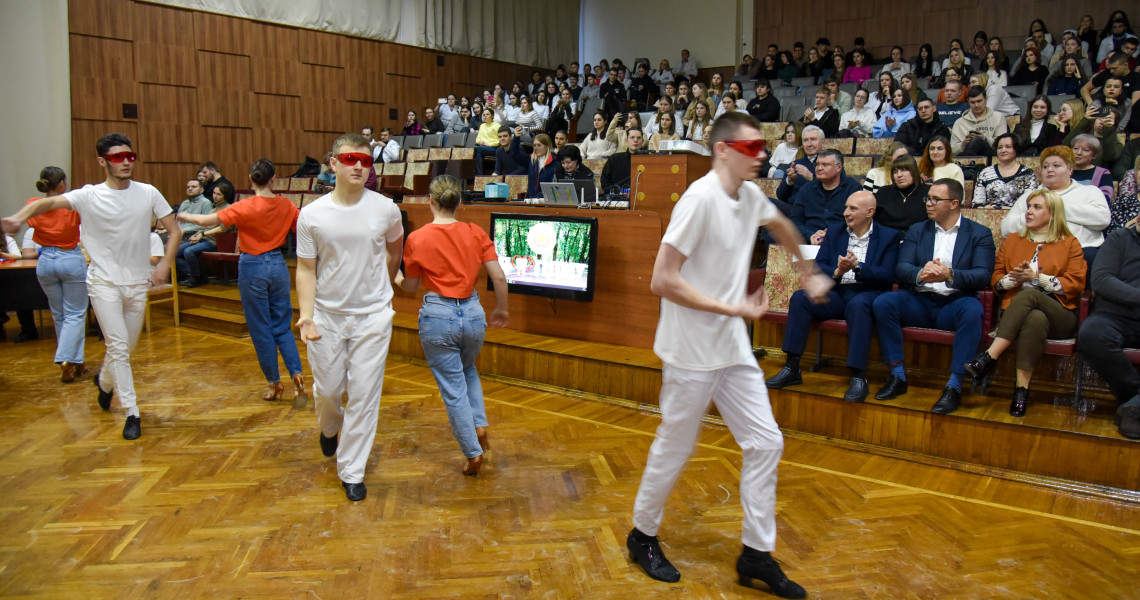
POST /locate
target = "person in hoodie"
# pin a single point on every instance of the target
(820, 204)
(974, 133)
(1114, 323)
(996, 97)
(1086, 209)
(917, 132)
(900, 111)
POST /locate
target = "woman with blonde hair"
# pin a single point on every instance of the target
(1040, 275)
(1070, 119)
(880, 175)
(697, 128)
(700, 96)
(447, 255)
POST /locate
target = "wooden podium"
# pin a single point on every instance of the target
(660, 179)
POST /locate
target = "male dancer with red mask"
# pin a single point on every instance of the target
(701, 274)
(116, 216)
(348, 251)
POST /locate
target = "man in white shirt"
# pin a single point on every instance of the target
(116, 217)
(687, 67)
(701, 273)
(448, 110)
(348, 250)
(385, 149)
(943, 263)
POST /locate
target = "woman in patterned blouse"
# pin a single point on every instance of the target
(1000, 185)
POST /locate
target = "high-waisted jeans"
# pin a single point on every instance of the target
(451, 333)
(263, 280)
(63, 276)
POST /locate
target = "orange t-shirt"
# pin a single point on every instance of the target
(262, 222)
(448, 257)
(59, 227)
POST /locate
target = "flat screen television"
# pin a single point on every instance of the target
(546, 255)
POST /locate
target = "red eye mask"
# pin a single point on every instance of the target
(749, 148)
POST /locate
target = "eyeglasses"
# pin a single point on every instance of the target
(749, 148)
(351, 158)
(119, 157)
(933, 200)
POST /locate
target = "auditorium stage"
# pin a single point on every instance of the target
(226, 495)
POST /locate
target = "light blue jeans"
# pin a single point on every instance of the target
(451, 333)
(264, 283)
(63, 276)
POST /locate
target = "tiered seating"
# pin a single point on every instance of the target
(227, 252)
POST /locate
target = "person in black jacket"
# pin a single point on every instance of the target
(1114, 323)
(510, 158)
(822, 115)
(821, 202)
(641, 87)
(616, 172)
(915, 133)
(613, 95)
(764, 107)
(432, 124)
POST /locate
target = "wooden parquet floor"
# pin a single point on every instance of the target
(228, 496)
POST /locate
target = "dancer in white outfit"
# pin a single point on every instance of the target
(701, 273)
(116, 216)
(348, 251)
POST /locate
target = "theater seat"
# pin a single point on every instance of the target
(227, 252)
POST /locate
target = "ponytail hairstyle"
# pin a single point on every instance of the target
(447, 191)
(262, 172)
(50, 177)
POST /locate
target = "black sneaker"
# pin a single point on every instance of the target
(354, 491)
(104, 397)
(132, 429)
(329, 444)
(646, 551)
(754, 564)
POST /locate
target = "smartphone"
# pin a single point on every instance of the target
(441, 101)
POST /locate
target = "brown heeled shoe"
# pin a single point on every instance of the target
(471, 469)
(273, 392)
(67, 372)
(300, 395)
(484, 443)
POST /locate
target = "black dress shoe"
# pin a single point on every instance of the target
(787, 376)
(329, 444)
(354, 491)
(894, 388)
(857, 391)
(1128, 418)
(981, 365)
(104, 397)
(754, 564)
(25, 337)
(948, 402)
(646, 551)
(1020, 400)
(132, 429)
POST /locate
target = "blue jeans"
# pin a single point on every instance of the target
(187, 258)
(63, 276)
(264, 284)
(451, 333)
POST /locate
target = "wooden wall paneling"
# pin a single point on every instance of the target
(224, 96)
(322, 81)
(280, 41)
(272, 111)
(84, 134)
(168, 104)
(318, 143)
(105, 18)
(320, 48)
(365, 85)
(170, 178)
(230, 147)
(103, 58)
(163, 63)
(366, 114)
(219, 33)
(162, 25)
(170, 142)
(272, 75)
(323, 114)
(282, 146)
(101, 99)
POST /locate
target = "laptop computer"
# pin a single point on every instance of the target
(562, 194)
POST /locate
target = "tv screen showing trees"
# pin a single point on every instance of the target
(552, 256)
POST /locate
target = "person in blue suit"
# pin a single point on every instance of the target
(860, 256)
(943, 264)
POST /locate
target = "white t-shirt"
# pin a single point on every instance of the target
(157, 248)
(716, 233)
(10, 245)
(349, 243)
(116, 229)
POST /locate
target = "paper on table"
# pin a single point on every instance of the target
(808, 251)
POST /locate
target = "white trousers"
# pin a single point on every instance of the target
(350, 357)
(120, 310)
(742, 399)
